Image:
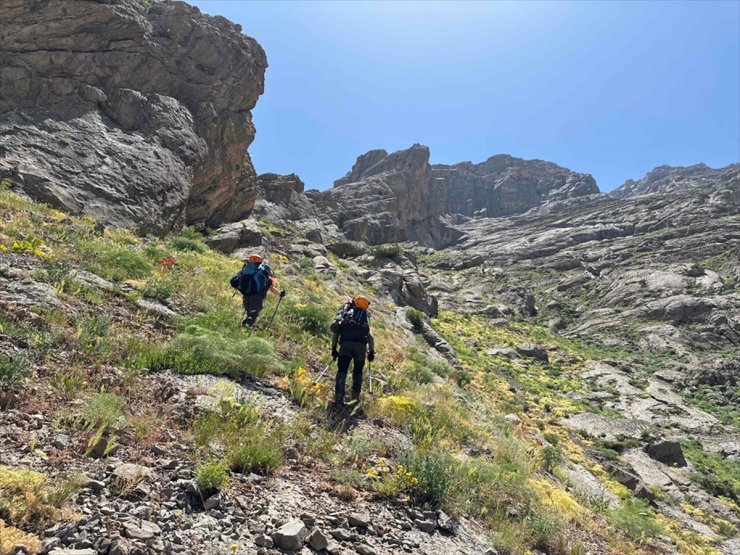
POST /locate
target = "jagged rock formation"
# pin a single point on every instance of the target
(281, 198)
(669, 179)
(504, 185)
(138, 117)
(400, 196)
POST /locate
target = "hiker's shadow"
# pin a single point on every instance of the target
(343, 419)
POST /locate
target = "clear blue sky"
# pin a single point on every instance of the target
(609, 88)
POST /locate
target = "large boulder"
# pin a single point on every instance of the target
(238, 235)
(139, 117)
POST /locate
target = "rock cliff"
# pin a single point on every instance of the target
(670, 179)
(138, 117)
(401, 196)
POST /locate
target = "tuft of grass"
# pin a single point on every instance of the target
(717, 475)
(636, 519)
(28, 500)
(211, 475)
(416, 317)
(200, 350)
(434, 474)
(112, 261)
(312, 318)
(14, 367)
(13, 540)
(251, 443)
(257, 454)
(103, 410)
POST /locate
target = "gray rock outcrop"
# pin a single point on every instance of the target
(401, 196)
(670, 179)
(138, 117)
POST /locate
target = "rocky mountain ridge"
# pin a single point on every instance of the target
(401, 196)
(136, 114)
(671, 179)
(557, 369)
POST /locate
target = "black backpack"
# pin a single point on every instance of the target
(252, 279)
(352, 323)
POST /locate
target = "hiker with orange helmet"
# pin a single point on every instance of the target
(352, 336)
(254, 281)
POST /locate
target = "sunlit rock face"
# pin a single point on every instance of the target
(137, 117)
(401, 196)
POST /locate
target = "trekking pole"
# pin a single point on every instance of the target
(317, 380)
(370, 376)
(273, 314)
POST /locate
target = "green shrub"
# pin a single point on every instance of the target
(433, 471)
(92, 334)
(53, 271)
(257, 454)
(416, 317)
(718, 475)
(198, 350)
(158, 289)
(251, 443)
(189, 239)
(348, 476)
(636, 519)
(541, 526)
(211, 475)
(188, 244)
(420, 374)
(421, 369)
(13, 368)
(552, 457)
(114, 262)
(312, 318)
(103, 410)
(552, 438)
(387, 250)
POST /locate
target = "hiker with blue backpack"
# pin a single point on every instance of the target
(352, 341)
(254, 281)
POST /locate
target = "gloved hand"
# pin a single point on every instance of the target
(334, 353)
(371, 356)
(282, 293)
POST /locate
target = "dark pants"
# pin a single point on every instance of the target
(252, 307)
(349, 351)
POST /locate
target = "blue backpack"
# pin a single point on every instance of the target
(252, 279)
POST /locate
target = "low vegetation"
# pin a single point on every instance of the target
(28, 503)
(468, 429)
(251, 443)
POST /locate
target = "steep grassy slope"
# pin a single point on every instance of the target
(105, 339)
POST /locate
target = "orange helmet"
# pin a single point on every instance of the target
(255, 258)
(361, 301)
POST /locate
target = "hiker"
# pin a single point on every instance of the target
(351, 329)
(254, 281)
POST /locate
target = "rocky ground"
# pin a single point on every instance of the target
(558, 369)
(596, 333)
